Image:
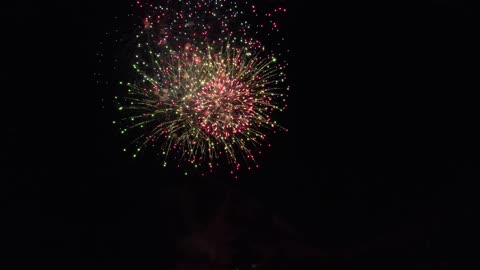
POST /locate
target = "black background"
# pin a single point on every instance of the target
(377, 169)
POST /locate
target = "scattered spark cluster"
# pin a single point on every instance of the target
(208, 78)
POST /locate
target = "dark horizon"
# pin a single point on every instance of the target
(377, 168)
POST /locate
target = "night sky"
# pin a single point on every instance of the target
(377, 169)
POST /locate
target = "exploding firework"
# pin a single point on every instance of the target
(206, 87)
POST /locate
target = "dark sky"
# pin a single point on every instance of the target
(377, 168)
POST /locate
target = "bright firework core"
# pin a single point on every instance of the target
(219, 97)
(224, 106)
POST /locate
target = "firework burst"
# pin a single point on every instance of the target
(206, 88)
